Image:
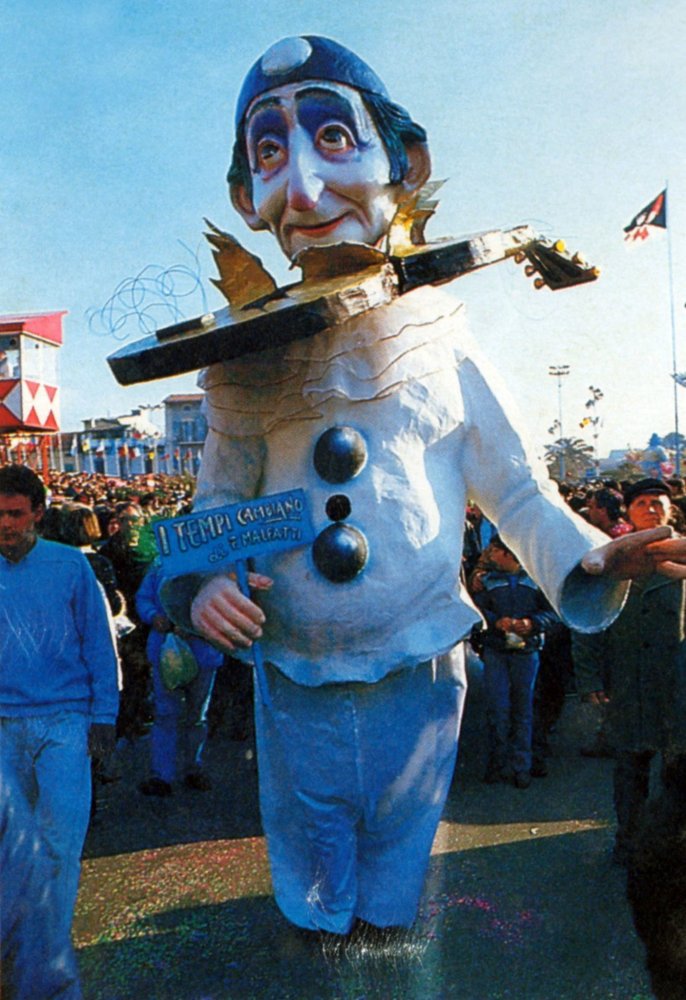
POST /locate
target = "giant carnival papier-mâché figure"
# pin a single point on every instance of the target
(386, 416)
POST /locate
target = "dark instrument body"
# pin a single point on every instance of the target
(338, 283)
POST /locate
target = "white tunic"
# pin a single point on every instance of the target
(439, 428)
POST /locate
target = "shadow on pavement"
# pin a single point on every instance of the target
(542, 920)
(521, 900)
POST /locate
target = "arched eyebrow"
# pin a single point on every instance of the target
(317, 104)
(266, 117)
(260, 104)
(268, 108)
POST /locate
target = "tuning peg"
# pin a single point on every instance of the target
(529, 270)
(539, 283)
(519, 257)
(579, 259)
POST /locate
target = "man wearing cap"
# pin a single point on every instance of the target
(641, 656)
(389, 421)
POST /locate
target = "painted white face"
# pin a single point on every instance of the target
(320, 172)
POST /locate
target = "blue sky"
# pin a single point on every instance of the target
(116, 120)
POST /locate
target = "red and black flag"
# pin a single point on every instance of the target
(650, 218)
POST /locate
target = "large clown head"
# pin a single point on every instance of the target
(322, 155)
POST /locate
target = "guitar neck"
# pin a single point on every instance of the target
(436, 263)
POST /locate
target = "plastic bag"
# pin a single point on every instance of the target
(178, 665)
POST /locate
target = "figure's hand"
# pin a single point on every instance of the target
(504, 624)
(225, 616)
(639, 554)
(102, 739)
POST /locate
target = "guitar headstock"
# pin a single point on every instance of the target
(553, 266)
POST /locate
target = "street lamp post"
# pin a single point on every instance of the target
(596, 422)
(558, 372)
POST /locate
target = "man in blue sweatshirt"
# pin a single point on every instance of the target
(517, 615)
(58, 677)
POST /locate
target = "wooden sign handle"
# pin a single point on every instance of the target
(257, 656)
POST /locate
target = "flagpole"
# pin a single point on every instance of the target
(677, 443)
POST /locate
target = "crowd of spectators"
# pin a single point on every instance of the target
(156, 494)
(109, 519)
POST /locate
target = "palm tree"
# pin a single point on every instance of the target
(569, 458)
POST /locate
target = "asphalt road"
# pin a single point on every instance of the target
(522, 900)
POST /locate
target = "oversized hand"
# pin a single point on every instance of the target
(639, 554)
(226, 616)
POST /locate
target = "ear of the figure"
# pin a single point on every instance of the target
(243, 203)
(418, 167)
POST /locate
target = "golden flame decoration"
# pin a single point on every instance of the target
(407, 228)
(242, 276)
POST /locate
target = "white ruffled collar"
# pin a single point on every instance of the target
(365, 358)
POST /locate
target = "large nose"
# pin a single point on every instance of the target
(305, 183)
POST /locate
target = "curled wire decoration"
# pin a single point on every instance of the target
(155, 297)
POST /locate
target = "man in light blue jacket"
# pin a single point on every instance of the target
(58, 677)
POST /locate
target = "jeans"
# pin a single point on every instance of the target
(49, 755)
(194, 699)
(509, 680)
(36, 959)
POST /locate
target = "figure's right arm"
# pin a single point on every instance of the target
(214, 607)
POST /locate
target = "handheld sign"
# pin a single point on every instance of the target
(210, 540)
(226, 537)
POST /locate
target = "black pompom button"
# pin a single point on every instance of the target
(340, 552)
(340, 454)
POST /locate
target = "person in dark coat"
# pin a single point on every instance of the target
(656, 885)
(130, 566)
(643, 656)
(80, 528)
(517, 615)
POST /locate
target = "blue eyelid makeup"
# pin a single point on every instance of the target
(266, 122)
(317, 106)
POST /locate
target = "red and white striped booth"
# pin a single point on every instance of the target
(29, 389)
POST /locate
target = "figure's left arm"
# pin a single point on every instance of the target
(510, 483)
